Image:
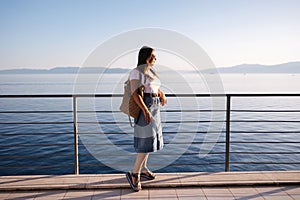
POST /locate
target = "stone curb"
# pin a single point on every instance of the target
(164, 180)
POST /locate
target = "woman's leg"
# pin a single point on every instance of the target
(140, 159)
(144, 164)
(145, 172)
(140, 162)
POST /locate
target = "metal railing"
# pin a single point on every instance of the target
(228, 121)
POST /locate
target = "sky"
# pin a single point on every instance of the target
(51, 33)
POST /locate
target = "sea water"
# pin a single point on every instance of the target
(193, 142)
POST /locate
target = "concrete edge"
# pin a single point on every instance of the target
(168, 185)
(271, 178)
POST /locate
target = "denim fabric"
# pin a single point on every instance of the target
(148, 136)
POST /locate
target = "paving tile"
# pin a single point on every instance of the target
(219, 197)
(48, 197)
(244, 193)
(4, 194)
(217, 193)
(162, 193)
(278, 197)
(22, 195)
(135, 198)
(295, 196)
(248, 197)
(192, 198)
(273, 193)
(79, 193)
(78, 198)
(164, 198)
(291, 189)
(217, 190)
(130, 194)
(239, 193)
(54, 194)
(190, 193)
(243, 190)
(269, 190)
(107, 194)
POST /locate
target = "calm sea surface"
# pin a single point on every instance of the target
(194, 140)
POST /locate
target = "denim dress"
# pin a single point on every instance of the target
(148, 136)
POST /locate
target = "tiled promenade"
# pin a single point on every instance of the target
(232, 185)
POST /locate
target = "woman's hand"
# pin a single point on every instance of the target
(162, 97)
(163, 100)
(148, 116)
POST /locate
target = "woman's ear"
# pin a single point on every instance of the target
(148, 61)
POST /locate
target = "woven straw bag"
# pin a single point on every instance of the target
(128, 105)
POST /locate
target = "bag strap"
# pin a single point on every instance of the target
(141, 78)
(130, 122)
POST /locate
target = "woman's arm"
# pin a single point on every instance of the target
(162, 97)
(134, 84)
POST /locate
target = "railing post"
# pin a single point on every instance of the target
(75, 125)
(227, 156)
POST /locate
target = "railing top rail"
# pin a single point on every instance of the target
(168, 95)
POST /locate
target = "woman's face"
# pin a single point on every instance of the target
(151, 60)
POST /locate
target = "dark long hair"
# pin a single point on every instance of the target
(145, 53)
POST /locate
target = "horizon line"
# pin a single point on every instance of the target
(55, 67)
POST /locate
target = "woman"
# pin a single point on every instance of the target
(147, 131)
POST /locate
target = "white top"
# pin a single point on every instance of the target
(150, 86)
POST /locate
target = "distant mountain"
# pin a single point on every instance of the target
(65, 70)
(291, 68)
